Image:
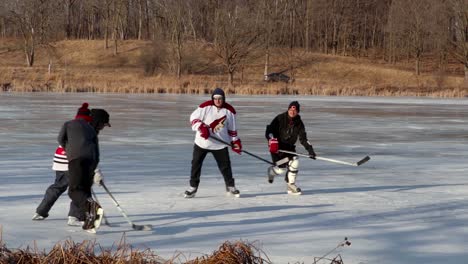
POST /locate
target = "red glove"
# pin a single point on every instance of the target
(237, 146)
(204, 131)
(273, 145)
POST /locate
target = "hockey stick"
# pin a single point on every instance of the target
(134, 226)
(103, 215)
(359, 163)
(278, 163)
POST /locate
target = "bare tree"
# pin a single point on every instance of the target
(307, 25)
(2, 27)
(32, 19)
(237, 35)
(107, 21)
(68, 6)
(175, 12)
(412, 22)
(329, 18)
(3, 19)
(268, 21)
(458, 10)
(119, 13)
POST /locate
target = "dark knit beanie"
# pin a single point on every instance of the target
(84, 112)
(100, 116)
(296, 104)
(218, 91)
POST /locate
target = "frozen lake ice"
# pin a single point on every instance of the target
(408, 204)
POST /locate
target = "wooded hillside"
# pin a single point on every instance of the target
(180, 39)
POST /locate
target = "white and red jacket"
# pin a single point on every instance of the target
(60, 160)
(222, 123)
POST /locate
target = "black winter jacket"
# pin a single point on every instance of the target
(287, 131)
(80, 140)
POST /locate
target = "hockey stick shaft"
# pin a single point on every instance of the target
(362, 161)
(245, 151)
(134, 226)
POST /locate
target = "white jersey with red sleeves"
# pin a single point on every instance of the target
(222, 123)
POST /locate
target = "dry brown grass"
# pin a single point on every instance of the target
(79, 253)
(90, 252)
(85, 66)
(86, 252)
(233, 253)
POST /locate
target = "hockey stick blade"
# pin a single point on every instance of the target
(364, 160)
(142, 227)
(122, 211)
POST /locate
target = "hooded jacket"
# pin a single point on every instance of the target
(287, 131)
(80, 140)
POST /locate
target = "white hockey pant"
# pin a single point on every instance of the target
(275, 171)
(293, 169)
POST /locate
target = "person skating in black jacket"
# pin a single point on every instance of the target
(79, 138)
(282, 133)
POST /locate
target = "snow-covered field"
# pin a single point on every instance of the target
(408, 204)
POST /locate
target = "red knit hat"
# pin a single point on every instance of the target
(84, 113)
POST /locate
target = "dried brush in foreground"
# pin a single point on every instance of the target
(80, 253)
(86, 253)
(233, 253)
(89, 252)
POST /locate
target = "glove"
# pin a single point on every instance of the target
(237, 146)
(98, 177)
(273, 145)
(311, 152)
(204, 131)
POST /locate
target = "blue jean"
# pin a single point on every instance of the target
(53, 192)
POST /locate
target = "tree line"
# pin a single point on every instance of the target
(235, 30)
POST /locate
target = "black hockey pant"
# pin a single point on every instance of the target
(222, 159)
(81, 173)
(53, 192)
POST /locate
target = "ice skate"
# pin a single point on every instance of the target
(88, 224)
(73, 221)
(190, 192)
(271, 174)
(99, 215)
(232, 191)
(38, 217)
(293, 189)
(91, 230)
(93, 217)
